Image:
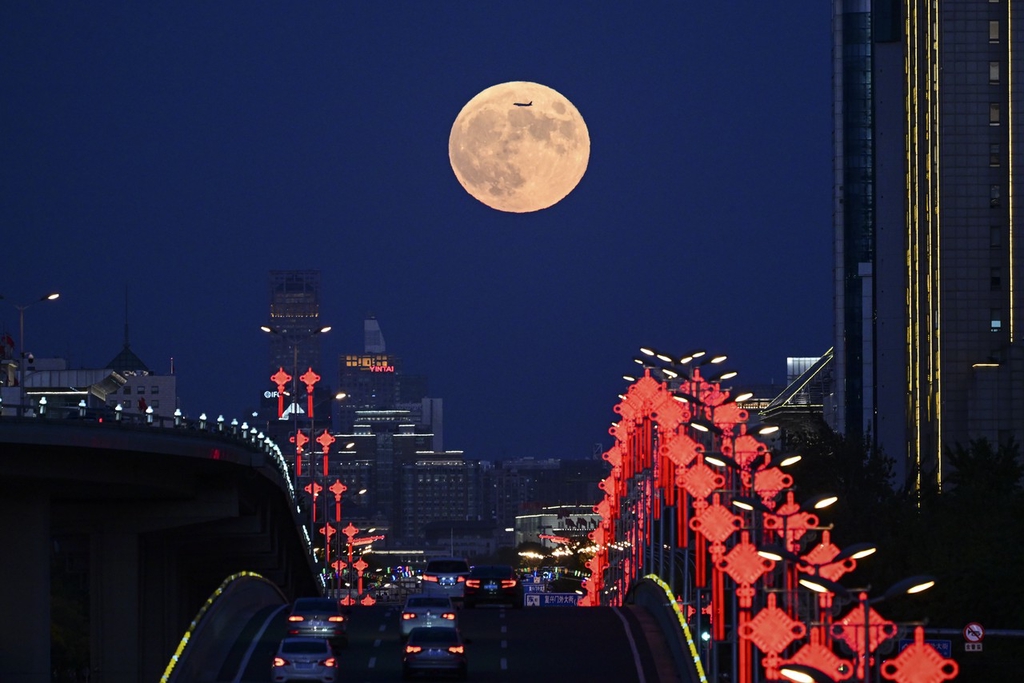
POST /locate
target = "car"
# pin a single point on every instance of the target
(428, 611)
(319, 618)
(446, 576)
(493, 583)
(304, 659)
(434, 650)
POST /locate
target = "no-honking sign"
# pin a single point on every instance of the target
(974, 632)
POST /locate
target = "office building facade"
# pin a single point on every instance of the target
(927, 254)
(287, 405)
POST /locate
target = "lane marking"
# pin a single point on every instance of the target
(376, 643)
(632, 646)
(255, 641)
(373, 663)
(504, 644)
(382, 628)
(504, 664)
(504, 629)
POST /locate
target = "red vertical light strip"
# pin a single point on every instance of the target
(746, 670)
(718, 603)
(701, 574)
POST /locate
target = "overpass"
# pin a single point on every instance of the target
(166, 511)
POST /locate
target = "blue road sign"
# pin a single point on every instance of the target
(552, 599)
(943, 647)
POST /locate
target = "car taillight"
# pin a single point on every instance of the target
(460, 579)
(337, 618)
(430, 577)
(472, 583)
(330, 661)
(406, 616)
(450, 616)
(456, 649)
(413, 648)
(295, 617)
(508, 583)
(280, 662)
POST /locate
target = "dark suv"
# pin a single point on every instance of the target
(496, 583)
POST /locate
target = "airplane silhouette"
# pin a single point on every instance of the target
(524, 104)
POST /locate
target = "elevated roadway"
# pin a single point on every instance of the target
(166, 511)
(556, 644)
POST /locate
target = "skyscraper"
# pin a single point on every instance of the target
(294, 348)
(295, 315)
(927, 273)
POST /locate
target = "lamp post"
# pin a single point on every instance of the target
(908, 586)
(53, 296)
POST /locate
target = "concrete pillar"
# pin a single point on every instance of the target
(114, 595)
(25, 587)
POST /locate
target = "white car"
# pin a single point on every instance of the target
(446, 576)
(304, 659)
(428, 611)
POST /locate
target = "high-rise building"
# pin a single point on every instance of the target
(295, 318)
(294, 339)
(373, 380)
(927, 276)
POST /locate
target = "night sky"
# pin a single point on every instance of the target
(183, 150)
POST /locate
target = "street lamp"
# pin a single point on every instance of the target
(802, 673)
(53, 296)
(908, 586)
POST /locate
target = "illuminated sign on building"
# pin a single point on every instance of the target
(378, 362)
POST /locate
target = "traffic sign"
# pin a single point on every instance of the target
(552, 599)
(943, 647)
(974, 632)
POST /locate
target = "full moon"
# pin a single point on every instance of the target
(519, 147)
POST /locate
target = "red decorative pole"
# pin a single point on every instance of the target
(325, 440)
(309, 378)
(299, 440)
(313, 489)
(280, 378)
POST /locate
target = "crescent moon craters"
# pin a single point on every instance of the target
(519, 147)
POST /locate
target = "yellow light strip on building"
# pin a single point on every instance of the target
(1009, 162)
(912, 251)
(935, 326)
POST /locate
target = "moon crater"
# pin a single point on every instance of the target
(519, 147)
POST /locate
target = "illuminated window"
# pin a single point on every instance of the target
(997, 324)
(993, 114)
(993, 72)
(993, 31)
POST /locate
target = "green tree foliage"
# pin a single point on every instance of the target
(969, 536)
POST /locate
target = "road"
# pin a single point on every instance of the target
(556, 644)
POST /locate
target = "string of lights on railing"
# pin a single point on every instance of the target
(233, 432)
